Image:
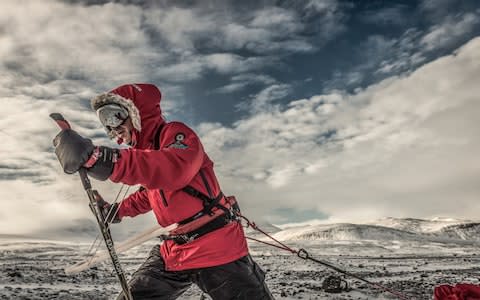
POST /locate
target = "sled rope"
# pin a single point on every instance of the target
(303, 254)
(116, 200)
(96, 242)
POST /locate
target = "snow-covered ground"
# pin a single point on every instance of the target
(408, 255)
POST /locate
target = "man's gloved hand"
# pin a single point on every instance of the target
(109, 211)
(74, 152)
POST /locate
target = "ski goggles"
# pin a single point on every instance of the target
(112, 115)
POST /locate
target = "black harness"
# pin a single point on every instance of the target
(209, 202)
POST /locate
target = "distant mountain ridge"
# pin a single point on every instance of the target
(418, 225)
(385, 229)
(388, 229)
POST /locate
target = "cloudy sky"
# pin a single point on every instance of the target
(329, 110)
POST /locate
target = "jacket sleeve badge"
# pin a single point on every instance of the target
(178, 144)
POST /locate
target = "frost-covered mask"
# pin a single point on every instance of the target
(112, 116)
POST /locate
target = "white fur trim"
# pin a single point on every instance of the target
(109, 98)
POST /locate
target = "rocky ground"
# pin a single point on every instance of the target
(34, 270)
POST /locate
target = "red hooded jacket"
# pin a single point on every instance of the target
(163, 173)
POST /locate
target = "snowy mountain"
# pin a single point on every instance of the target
(389, 229)
(438, 227)
(418, 225)
(345, 232)
(467, 231)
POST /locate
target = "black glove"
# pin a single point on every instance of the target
(74, 151)
(109, 211)
(104, 159)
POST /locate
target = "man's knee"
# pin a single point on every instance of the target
(147, 287)
(152, 281)
(241, 279)
(260, 290)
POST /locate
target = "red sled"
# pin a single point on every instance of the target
(461, 291)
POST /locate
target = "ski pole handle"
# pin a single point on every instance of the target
(61, 122)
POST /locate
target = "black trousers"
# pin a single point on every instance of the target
(240, 279)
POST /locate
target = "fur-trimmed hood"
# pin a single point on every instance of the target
(142, 102)
(109, 98)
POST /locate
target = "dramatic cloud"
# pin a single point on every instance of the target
(71, 42)
(452, 29)
(406, 146)
(381, 56)
(240, 81)
(390, 15)
(436, 9)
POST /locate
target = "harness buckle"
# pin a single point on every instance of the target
(185, 238)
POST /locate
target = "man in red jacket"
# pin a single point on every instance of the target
(179, 185)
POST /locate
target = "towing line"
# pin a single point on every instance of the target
(303, 254)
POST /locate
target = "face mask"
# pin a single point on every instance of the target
(112, 116)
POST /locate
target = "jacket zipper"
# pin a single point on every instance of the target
(163, 198)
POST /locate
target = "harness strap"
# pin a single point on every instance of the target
(208, 204)
(212, 202)
(156, 140)
(205, 182)
(215, 224)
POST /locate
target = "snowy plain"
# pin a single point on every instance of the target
(411, 256)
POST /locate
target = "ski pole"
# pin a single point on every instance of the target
(105, 230)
